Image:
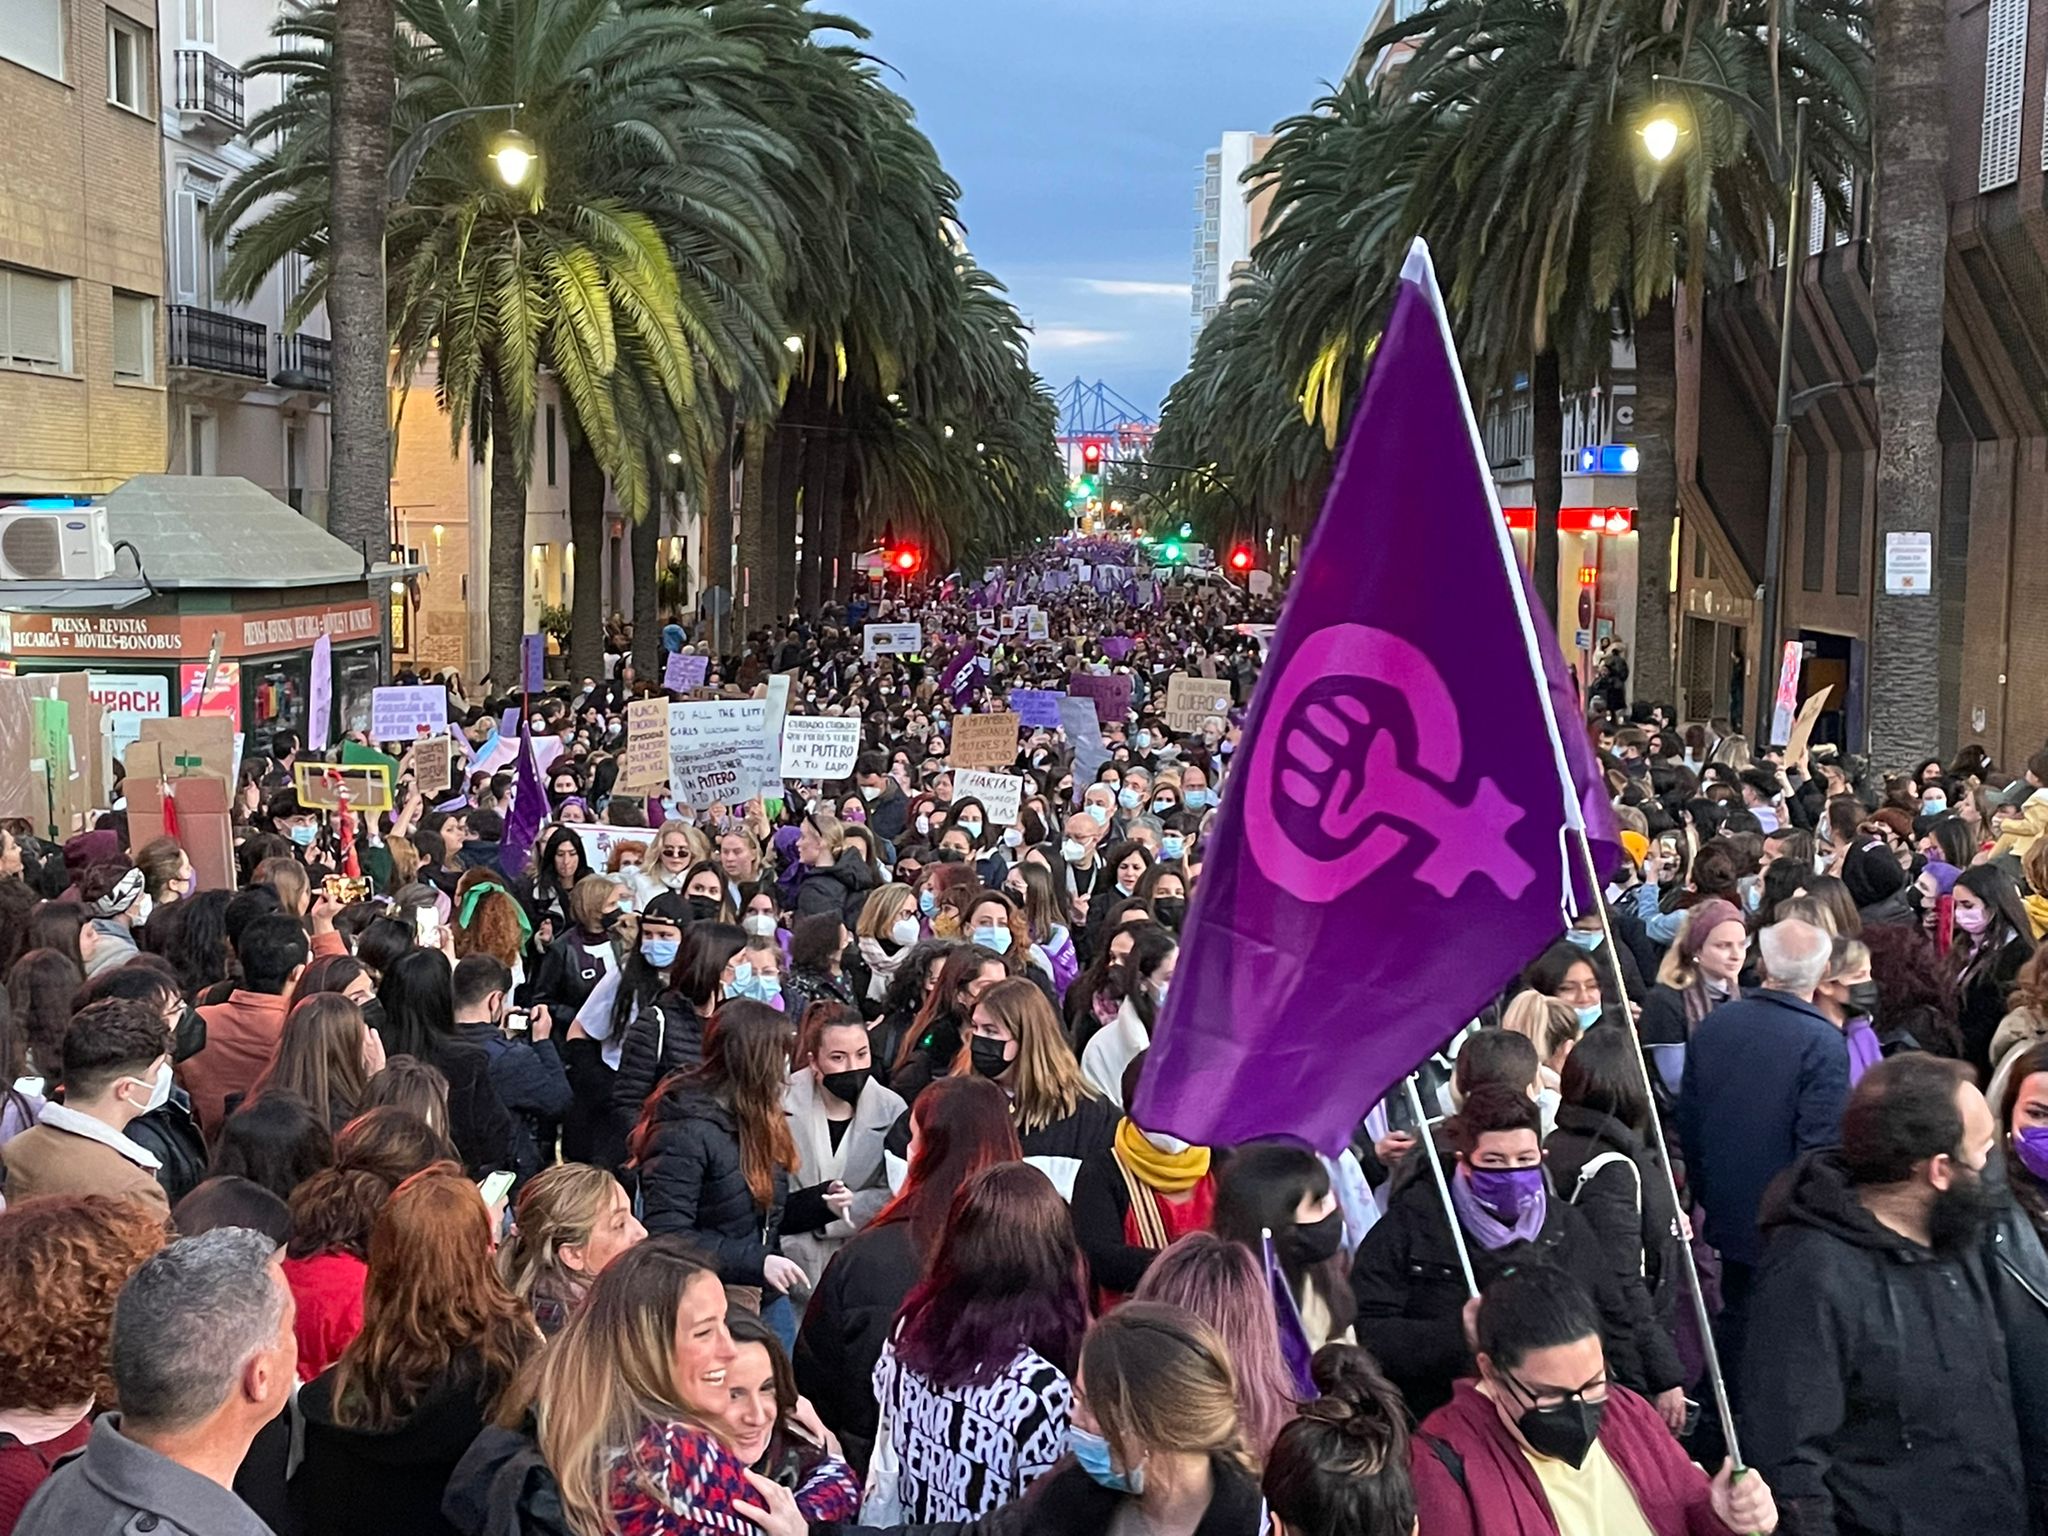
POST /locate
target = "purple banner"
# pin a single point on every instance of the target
(1036, 707)
(1402, 787)
(1117, 647)
(320, 695)
(1112, 694)
(682, 673)
(533, 663)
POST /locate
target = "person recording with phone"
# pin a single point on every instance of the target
(527, 1073)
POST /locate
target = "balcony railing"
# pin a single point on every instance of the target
(210, 87)
(216, 343)
(304, 362)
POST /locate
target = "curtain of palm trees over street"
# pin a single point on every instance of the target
(735, 248)
(1510, 142)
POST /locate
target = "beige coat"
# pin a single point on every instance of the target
(856, 1162)
(43, 1160)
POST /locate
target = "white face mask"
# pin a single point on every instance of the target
(760, 924)
(1012, 838)
(159, 1088)
(904, 931)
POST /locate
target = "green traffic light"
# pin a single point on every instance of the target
(1187, 530)
(1173, 552)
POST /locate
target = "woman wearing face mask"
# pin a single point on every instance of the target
(1573, 977)
(714, 1154)
(984, 844)
(888, 929)
(839, 1116)
(1406, 1276)
(1548, 1445)
(834, 875)
(1849, 998)
(1553, 1028)
(2017, 1262)
(933, 1043)
(1283, 1188)
(1601, 1160)
(561, 864)
(1164, 890)
(1133, 1200)
(1140, 982)
(666, 994)
(705, 895)
(1993, 940)
(1033, 887)
(996, 922)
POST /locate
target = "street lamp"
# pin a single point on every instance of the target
(512, 151)
(1789, 170)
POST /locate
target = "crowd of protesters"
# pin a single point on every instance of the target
(781, 1172)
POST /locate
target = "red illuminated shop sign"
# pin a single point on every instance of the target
(1575, 519)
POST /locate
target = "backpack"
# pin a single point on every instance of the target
(1592, 1170)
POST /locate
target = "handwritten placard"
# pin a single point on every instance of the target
(1111, 694)
(715, 747)
(1191, 700)
(685, 672)
(1038, 708)
(817, 748)
(405, 714)
(984, 741)
(646, 761)
(433, 766)
(1001, 794)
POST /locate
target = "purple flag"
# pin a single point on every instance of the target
(1394, 846)
(533, 663)
(529, 809)
(958, 680)
(1294, 1345)
(1117, 647)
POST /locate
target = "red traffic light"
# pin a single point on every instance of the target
(906, 559)
(1091, 456)
(1240, 559)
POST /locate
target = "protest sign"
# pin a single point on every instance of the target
(1038, 708)
(1802, 728)
(717, 750)
(1038, 626)
(1000, 794)
(891, 640)
(819, 747)
(714, 774)
(405, 714)
(685, 672)
(433, 766)
(1111, 695)
(1009, 621)
(198, 808)
(646, 760)
(1191, 700)
(1084, 735)
(322, 786)
(320, 695)
(1786, 704)
(599, 840)
(984, 741)
(191, 744)
(533, 664)
(1117, 647)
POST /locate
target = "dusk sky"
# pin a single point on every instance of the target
(1077, 132)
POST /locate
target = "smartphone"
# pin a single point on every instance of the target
(427, 923)
(344, 890)
(495, 1186)
(517, 1021)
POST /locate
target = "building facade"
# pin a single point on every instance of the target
(82, 364)
(1229, 218)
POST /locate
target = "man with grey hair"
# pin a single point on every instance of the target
(203, 1357)
(1766, 1080)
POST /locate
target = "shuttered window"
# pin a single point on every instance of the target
(2005, 78)
(32, 33)
(134, 338)
(35, 321)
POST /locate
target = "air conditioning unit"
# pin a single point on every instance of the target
(48, 544)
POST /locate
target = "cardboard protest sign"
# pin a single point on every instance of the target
(323, 786)
(683, 673)
(199, 812)
(21, 793)
(191, 744)
(819, 747)
(891, 640)
(599, 840)
(86, 789)
(433, 766)
(984, 741)
(1001, 794)
(1037, 708)
(717, 750)
(645, 765)
(1110, 694)
(1191, 700)
(403, 714)
(1802, 728)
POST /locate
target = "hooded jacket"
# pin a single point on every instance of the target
(840, 889)
(1875, 1391)
(691, 1182)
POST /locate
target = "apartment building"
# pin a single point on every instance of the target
(1229, 219)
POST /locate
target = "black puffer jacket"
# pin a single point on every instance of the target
(692, 1183)
(841, 889)
(171, 1131)
(665, 1036)
(1875, 1393)
(2017, 1265)
(1632, 1215)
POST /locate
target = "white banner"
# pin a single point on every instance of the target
(819, 747)
(599, 840)
(406, 714)
(891, 640)
(717, 750)
(1000, 794)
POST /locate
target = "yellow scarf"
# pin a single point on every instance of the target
(1171, 1173)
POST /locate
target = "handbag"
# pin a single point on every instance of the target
(881, 1499)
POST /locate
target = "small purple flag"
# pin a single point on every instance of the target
(1394, 847)
(1294, 1345)
(533, 663)
(528, 812)
(958, 678)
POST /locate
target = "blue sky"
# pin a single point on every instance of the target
(1077, 131)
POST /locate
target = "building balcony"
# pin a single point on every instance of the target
(208, 341)
(304, 363)
(209, 91)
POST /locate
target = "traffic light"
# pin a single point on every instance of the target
(1091, 457)
(904, 560)
(1173, 554)
(1241, 558)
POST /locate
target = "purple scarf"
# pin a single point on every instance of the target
(1488, 1228)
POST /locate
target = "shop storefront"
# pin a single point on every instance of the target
(1596, 577)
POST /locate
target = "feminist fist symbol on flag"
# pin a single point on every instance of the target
(1366, 804)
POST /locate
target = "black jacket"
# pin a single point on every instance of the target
(1636, 1221)
(2017, 1265)
(889, 812)
(1068, 1502)
(567, 975)
(664, 1036)
(478, 1123)
(502, 1487)
(533, 1088)
(1411, 1291)
(845, 1327)
(841, 889)
(172, 1132)
(359, 1482)
(1875, 1394)
(691, 1182)
(1981, 1003)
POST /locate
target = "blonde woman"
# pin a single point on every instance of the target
(1553, 1028)
(570, 1223)
(837, 877)
(1016, 1041)
(678, 847)
(888, 930)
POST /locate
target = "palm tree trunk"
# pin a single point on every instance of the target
(508, 552)
(586, 534)
(816, 513)
(1656, 499)
(647, 590)
(835, 519)
(359, 142)
(755, 555)
(1546, 442)
(787, 481)
(1909, 248)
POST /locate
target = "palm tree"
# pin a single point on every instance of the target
(1909, 247)
(359, 148)
(632, 261)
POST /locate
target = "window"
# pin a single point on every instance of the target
(2005, 79)
(32, 33)
(198, 22)
(197, 259)
(200, 453)
(127, 64)
(134, 338)
(551, 444)
(35, 321)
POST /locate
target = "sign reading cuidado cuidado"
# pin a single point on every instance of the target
(819, 748)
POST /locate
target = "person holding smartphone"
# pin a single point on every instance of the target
(527, 1073)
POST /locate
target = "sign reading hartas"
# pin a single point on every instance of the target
(1001, 794)
(819, 747)
(983, 741)
(404, 714)
(891, 640)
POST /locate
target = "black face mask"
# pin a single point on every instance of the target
(1171, 910)
(987, 1056)
(189, 1038)
(1563, 1431)
(373, 1014)
(1315, 1242)
(846, 1086)
(1862, 999)
(607, 921)
(1960, 1213)
(703, 909)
